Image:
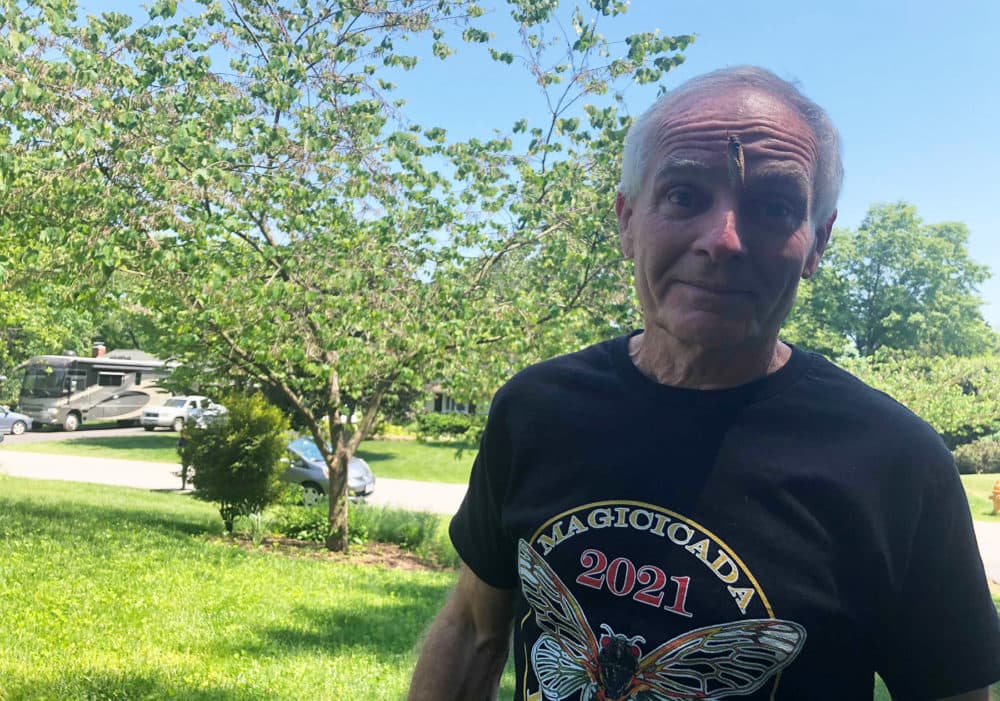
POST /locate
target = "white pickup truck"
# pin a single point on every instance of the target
(173, 413)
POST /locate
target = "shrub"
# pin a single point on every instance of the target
(449, 426)
(397, 430)
(422, 533)
(236, 458)
(979, 457)
(302, 522)
(407, 529)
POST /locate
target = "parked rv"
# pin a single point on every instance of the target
(67, 390)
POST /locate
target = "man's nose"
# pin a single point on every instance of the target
(721, 239)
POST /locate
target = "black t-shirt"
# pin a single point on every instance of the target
(782, 539)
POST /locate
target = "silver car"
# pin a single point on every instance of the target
(307, 467)
(13, 422)
(173, 412)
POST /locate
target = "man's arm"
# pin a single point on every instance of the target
(466, 647)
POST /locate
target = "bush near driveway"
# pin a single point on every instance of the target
(236, 458)
(980, 457)
(450, 426)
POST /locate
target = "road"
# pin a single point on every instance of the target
(407, 494)
(85, 431)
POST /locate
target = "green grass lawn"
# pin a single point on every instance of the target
(112, 593)
(427, 462)
(978, 488)
(152, 447)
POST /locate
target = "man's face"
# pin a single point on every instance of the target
(717, 262)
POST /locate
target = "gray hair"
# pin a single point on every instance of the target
(829, 167)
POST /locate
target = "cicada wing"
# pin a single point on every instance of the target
(722, 660)
(556, 609)
(559, 673)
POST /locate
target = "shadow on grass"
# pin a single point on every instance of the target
(375, 456)
(95, 425)
(69, 520)
(390, 629)
(458, 447)
(101, 684)
(455, 445)
(137, 442)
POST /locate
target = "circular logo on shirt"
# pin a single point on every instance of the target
(632, 601)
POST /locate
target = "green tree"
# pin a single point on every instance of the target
(959, 397)
(276, 210)
(896, 283)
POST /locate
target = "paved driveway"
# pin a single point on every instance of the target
(988, 535)
(407, 494)
(85, 431)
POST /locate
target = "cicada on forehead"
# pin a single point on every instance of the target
(737, 167)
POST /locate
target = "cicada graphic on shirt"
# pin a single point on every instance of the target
(729, 659)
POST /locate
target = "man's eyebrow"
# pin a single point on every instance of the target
(682, 166)
(769, 175)
(778, 176)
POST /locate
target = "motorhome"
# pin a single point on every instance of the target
(67, 390)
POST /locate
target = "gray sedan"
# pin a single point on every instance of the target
(307, 467)
(13, 422)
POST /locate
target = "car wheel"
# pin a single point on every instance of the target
(312, 494)
(18, 428)
(177, 425)
(148, 428)
(71, 423)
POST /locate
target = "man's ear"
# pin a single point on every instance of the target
(623, 210)
(822, 238)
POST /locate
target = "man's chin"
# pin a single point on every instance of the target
(712, 334)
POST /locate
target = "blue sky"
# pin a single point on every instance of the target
(912, 86)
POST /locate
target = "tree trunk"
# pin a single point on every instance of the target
(336, 539)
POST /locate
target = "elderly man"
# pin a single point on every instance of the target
(699, 510)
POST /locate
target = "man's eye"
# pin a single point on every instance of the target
(774, 209)
(777, 209)
(682, 197)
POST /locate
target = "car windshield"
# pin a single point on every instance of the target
(307, 447)
(174, 402)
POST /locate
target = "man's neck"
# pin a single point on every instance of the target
(667, 360)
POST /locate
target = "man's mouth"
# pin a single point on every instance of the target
(715, 288)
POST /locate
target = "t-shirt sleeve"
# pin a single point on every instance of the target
(941, 634)
(477, 529)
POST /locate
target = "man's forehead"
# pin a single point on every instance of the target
(695, 131)
(737, 100)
